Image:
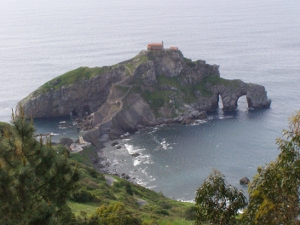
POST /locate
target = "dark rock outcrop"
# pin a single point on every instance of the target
(79, 99)
(152, 88)
(244, 181)
(66, 142)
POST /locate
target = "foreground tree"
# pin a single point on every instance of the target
(35, 178)
(274, 191)
(217, 202)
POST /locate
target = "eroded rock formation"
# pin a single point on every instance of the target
(79, 98)
(152, 88)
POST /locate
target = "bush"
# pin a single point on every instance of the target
(164, 204)
(82, 196)
(190, 213)
(116, 213)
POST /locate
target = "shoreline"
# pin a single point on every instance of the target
(104, 166)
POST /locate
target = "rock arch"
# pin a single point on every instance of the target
(256, 96)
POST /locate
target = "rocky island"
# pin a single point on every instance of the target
(156, 86)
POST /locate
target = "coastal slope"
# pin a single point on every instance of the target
(152, 88)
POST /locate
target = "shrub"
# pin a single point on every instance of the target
(83, 195)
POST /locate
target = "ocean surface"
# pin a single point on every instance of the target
(256, 41)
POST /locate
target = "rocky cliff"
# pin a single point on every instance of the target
(153, 87)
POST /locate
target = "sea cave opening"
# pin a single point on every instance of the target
(242, 103)
(220, 102)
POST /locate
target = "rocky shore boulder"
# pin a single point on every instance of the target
(244, 181)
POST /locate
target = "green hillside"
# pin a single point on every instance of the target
(95, 190)
(42, 183)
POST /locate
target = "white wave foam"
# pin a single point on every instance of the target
(146, 159)
(141, 182)
(131, 149)
(151, 187)
(136, 162)
(144, 180)
(198, 122)
(182, 200)
(141, 158)
(224, 117)
(164, 144)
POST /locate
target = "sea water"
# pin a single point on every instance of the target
(255, 41)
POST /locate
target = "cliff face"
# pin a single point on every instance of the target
(154, 87)
(79, 98)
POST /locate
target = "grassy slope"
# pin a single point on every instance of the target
(94, 184)
(81, 73)
(72, 77)
(4, 126)
(84, 157)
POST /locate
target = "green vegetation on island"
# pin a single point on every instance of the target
(81, 73)
(72, 77)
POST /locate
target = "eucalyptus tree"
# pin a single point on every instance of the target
(218, 202)
(274, 191)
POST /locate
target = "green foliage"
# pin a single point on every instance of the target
(90, 189)
(164, 204)
(85, 219)
(160, 208)
(188, 60)
(35, 178)
(190, 213)
(116, 213)
(171, 81)
(217, 202)
(78, 208)
(86, 156)
(156, 99)
(274, 191)
(128, 189)
(151, 222)
(82, 195)
(203, 88)
(72, 77)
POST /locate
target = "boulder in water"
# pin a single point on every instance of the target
(244, 181)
